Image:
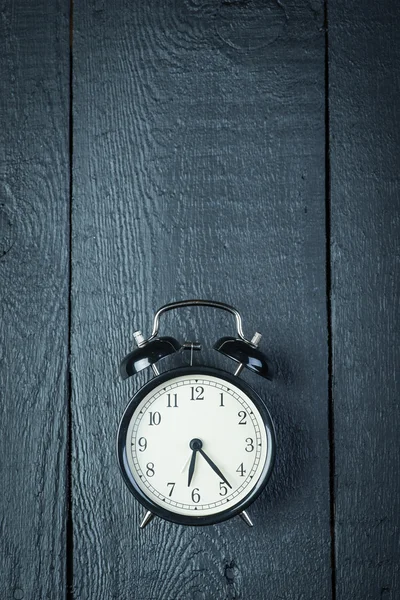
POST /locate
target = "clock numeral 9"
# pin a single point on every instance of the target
(196, 496)
(223, 490)
(172, 489)
(242, 417)
(172, 402)
(142, 443)
(150, 469)
(197, 393)
(250, 445)
(155, 418)
(241, 470)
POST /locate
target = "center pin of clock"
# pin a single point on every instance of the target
(196, 444)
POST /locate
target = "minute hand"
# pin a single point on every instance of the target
(214, 467)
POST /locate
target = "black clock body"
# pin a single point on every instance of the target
(123, 447)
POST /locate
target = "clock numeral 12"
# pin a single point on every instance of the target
(174, 400)
(222, 399)
(198, 393)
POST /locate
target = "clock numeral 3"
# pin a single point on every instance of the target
(150, 469)
(223, 490)
(250, 445)
(241, 470)
(142, 443)
(172, 489)
(155, 418)
(197, 393)
(196, 495)
(242, 416)
(172, 402)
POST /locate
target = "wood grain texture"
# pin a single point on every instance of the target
(364, 63)
(199, 172)
(34, 223)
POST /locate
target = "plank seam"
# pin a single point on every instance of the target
(328, 209)
(69, 526)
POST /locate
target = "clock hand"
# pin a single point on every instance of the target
(186, 464)
(191, 467)
(195, 445)
(214, 467)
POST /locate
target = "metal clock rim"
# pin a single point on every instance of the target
(166, 514)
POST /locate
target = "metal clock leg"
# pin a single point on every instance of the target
(245, 516)
(149, 516)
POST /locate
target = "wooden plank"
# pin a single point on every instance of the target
(34, 226)
(364, 77)
(199, 172)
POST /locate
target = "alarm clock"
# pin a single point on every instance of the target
(196, 444)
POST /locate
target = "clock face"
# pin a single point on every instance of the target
(195, 445)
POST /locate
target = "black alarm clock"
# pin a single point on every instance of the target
(196, 444)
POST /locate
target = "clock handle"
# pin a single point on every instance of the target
(210, 303)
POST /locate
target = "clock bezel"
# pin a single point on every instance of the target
(122, 445)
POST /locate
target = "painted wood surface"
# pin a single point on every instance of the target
(198, 171)
(364, 63)
(34, 258)
(208, 160)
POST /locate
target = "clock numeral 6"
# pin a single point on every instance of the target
(196, 495)
(142, 443)
(242, 417)
(250, 445)
(172, 489)
(241, 470)
(155, 418)
(197, 393)
(223, 490)
(150, 469)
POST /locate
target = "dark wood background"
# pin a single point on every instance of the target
(243, 151)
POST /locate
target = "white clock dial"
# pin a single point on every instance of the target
(197, 445)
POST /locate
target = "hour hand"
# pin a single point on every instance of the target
(191, 467)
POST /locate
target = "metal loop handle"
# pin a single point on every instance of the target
(186, 303)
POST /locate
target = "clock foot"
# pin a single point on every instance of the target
(244, 515)
(149, 516)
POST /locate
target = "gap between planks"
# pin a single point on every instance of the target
(331, 417)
